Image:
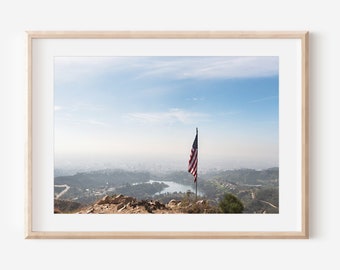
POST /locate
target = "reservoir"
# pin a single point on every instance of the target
(174, 187)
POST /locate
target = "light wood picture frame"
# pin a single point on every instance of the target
(291, 48)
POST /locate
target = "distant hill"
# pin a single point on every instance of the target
(245, 176)
(65, 206)
(95, 179)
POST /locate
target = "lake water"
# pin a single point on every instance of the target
(174, 187)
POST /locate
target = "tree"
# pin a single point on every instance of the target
(231, 204)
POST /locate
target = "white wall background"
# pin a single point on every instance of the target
(319, 17)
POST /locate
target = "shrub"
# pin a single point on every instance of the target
(231, 204)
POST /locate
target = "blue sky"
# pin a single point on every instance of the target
(141, 112)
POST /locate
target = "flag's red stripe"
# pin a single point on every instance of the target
(193, 157)
(192, 161)
(193, 168)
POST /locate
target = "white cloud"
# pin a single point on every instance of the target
(224, 67)
(96, 123)
(174, 115)
(211, 67)
(262, 99)
(80, 106)
(196, 99)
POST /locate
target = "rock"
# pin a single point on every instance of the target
(200, 202)
(117, 199)
(120, 205)
(148, 208)
(121, 209)
(90, 210)
(142, 202)
(128, 200)
(173, 201)
(122, 199)
(160, 205)
(106, 199)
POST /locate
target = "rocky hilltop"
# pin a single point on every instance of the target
(121, 204)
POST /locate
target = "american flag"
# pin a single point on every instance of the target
(192, 166)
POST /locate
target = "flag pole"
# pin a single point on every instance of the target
(197, 162)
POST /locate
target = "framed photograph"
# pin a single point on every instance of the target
(167, 135)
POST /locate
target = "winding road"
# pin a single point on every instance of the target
(63, 192)
(272, 205)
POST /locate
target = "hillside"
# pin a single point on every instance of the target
(257, 189)
(121, 204)
(66, 206)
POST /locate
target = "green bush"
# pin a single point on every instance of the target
(231, 204)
